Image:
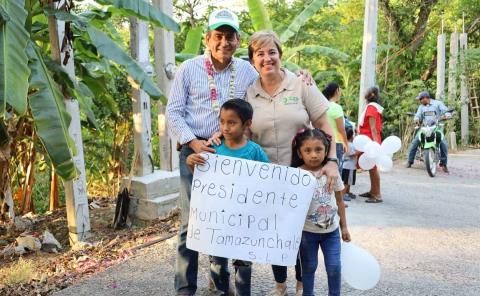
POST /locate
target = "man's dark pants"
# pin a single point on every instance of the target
(187, 260)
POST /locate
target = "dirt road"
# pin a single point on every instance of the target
(425, 235)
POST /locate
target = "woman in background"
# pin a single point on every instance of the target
(370, 124)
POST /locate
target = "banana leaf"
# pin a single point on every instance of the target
(14, 69)
(317, 49)
(112, 51)
(84, 96)
(291, 66)
(300, 19)
(193, 41)
(259, 16)
(49, 115)
(143, 10)
(182, 57)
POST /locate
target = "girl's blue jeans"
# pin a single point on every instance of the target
(330, 245)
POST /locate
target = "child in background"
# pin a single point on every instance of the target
(325, 217)
(349, 167)
(235, 118)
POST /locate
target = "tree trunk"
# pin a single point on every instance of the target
(53, 200)
(6, 204)
(27, 201)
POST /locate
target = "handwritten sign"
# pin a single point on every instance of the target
(248, 210)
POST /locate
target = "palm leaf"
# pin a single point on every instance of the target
(14, 69)
(317, 49)
(112, 51)
(193, 41)
(303, 17)
(143, 10)
(49, 115)
(259, 16)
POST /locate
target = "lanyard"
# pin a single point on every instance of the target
(213, 87)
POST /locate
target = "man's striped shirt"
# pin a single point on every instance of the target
(189, 108)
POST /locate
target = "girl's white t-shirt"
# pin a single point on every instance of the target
(322, 215)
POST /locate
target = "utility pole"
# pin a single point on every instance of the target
(463, 87)
(440, 94)
(75, 190)
(165, 69)
(153, 192)
(452, 82)
(369, 49)
(452, 67)
(142, 123)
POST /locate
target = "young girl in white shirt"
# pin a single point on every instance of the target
(325, 219)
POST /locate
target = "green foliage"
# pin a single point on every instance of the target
(143, 10)
(193, 41)
(297, 23)
(50, 117)
(14, 70)
(109, 150)
(112, 51)
(259, 15)
(317, 49)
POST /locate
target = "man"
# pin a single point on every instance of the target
(429, 111)
(201, 86)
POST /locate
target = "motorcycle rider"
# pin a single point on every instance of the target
(429, 111)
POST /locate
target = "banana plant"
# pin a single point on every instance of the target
(261, 21)
(25, 68)
(13, 59)
(193, 41)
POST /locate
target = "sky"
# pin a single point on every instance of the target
(235, 5)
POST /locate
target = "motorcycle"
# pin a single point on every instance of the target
(430, 136)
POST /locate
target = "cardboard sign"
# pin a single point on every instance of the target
(248, 210)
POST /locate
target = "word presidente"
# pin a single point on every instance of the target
(244, 195)
(243, 168)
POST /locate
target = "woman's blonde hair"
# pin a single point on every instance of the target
(262, 38)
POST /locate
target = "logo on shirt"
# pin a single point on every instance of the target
(290, 100)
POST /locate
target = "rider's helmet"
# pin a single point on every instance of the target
(423, 94)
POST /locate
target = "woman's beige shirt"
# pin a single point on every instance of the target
(277, 118)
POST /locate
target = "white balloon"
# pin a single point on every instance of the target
(384, 163)
(372, 149)
(359, 268)
(360, 141)
(365, 162)
(391, 144)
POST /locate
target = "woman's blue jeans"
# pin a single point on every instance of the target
(330, 245)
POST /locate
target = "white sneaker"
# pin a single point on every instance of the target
(276, 292)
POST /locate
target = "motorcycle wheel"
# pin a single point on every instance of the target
(430, 162)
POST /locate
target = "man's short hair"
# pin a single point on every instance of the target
(243, 108)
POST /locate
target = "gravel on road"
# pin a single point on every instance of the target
(425, 235)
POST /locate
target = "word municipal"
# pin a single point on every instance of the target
(234, 219)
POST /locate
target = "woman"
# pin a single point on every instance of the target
(336, 118)
(282, 105)
(370, 124)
